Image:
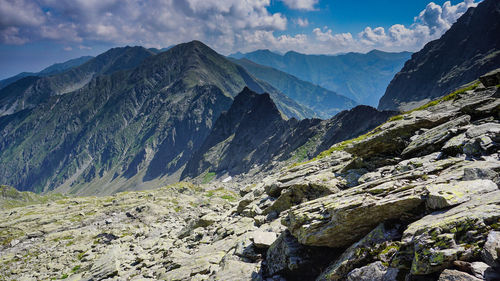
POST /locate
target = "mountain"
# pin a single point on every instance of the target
(324, 102)
(51, 70)
(28, 92)
(470, 48)
(252, 134)
(414, 199)
(138, 119)
(360, 77)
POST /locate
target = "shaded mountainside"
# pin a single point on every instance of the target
(470, 48)
(51, 70)
(126, 127)
(360, 77)
(30, 91)
(416, 198)
(324, 102)
(252, 135)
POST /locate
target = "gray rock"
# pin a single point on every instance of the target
(358, 253)
(450, 194)
(108, 265)
(288, 258)
(491, 78)
(340, 219)
(489, 129)
(455, 275)
(373, 272)
(491, 249)
(236, 270)
(432, 240)
(455, 144)
(432, 139)
(263, 239)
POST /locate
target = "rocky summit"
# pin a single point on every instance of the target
(416, 198)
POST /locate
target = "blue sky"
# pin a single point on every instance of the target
(37, 33)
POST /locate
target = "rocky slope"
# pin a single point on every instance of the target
(253, 137)
(51, 70)
(471, 47)
(415, 199)
(360, 77)
(125, 126)
(324, 102)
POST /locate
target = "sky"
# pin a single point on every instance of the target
(37, 33)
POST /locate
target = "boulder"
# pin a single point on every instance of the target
(491, 249)
(362, 252)
(438, 239)
(373, 272)
(432, 139)
(455, 275)
(391, 137)
(291, 260)
(107, 265)
(263, 239)
(295, 194)
(236, 270)
(340, 219)
(491, 78)
(450, 194)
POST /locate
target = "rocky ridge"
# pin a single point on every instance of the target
(415, 199)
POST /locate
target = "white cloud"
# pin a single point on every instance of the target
(301, 4)
(226, 25)
(302, 22)
(430, 24)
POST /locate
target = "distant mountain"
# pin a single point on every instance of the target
(51, 70)
(360, 77)
(324, 102)
(252, 134)
(28, 92)
(470, 48)
(137, 119)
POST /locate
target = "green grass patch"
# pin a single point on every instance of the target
(222, 193)
(208, 177)
(452, 96)
(75, 269)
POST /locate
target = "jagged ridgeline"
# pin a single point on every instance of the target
(125, 117)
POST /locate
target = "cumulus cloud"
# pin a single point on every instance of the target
(302, 22)
(430, 24)
(150, 23)
(226, 25)
(301, 4)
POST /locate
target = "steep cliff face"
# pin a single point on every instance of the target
(470, 48)
(253, 135)
(125, 126)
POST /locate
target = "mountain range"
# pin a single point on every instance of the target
(265, 195)
(253, 136)
(126, 117)
(360, 77)
(324, 102)
(51, 70)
